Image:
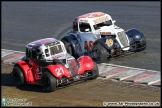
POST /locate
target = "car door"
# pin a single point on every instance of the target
(87, 38)
(34, 61)
(87, 41)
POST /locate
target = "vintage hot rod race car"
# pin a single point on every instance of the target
(47, 63)
(95, 34)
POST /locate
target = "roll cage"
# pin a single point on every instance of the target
(45, 51)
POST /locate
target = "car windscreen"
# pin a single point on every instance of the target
(56, 49)
(106, 23)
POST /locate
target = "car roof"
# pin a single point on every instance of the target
(91, 15)
(41, 42)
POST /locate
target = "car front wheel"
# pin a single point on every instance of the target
(140, 45)
(49, 82)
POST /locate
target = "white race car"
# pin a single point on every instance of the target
(95, 34)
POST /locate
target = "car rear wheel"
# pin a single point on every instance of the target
(99, 53)
(49, 82)
(18, 76)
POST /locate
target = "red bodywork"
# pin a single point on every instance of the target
(27, 70)
(86, 63)
(58, 70)
(32, 74)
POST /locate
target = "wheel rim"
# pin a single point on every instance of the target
(46, 83)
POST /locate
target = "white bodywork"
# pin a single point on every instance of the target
(91, 34)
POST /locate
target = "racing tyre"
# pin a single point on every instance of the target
(143, 44)
(49, 82)
(140, 45)
(68, 47)
(94, 72)
(18, 76)
(99, 53)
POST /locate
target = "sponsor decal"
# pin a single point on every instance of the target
(100, 20)
(52, 44)
(105, 33)
(84, 21)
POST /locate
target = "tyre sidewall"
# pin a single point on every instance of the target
(17, 72)
(143, 45)
(144, 42)
(95, 71)
(102, 52)
(52, 81)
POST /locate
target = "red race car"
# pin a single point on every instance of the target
(47, 63)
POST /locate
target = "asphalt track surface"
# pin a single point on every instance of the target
(23, 22)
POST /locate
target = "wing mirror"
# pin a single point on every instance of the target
(113, 21)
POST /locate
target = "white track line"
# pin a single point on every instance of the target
(102, 63)
(12, 50)
(131, 67)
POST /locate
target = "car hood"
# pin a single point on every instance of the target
(113, 29)
(65, 56)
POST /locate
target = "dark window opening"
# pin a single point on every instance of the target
(84, 27)
(34, 54)
(56, 49)
(46, 52)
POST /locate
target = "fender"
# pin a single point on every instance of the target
(58, 70)
(134, 35)
(71, 31)
(74, 43)
(27, 71)
(102, 41)
(86, 63)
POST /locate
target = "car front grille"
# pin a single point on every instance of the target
(73, 67)
(123, 38)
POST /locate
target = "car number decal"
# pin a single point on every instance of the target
(59, 71)
(109, 42)
(88, 45)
